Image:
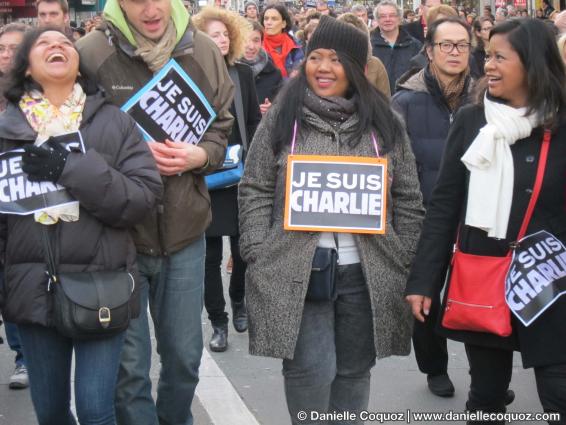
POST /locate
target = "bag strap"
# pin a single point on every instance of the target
(49, 256)
(543, 156)
(538, 184)
(239, 104)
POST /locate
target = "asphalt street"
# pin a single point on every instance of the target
(237, 388)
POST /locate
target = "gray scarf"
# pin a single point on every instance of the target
(257, 64)
(333, 110)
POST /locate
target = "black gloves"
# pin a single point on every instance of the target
(42, 164)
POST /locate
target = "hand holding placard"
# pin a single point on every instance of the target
(174, 158)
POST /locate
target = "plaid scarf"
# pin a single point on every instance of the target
(452, 92)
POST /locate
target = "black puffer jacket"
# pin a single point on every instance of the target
(427, 117)
(116, 183)
(396, 59)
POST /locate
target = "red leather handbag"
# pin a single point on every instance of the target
(476, 290)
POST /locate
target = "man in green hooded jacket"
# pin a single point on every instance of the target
(136, 39)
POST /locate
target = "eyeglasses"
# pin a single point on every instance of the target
(9, 48)
(447, 47)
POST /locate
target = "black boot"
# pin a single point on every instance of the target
(219, 340)
(509, 397)
(440, 385)
(240, 316)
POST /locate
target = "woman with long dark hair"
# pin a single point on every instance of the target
(279, 44)
(487, 188)
(115, 183)
(328, 343)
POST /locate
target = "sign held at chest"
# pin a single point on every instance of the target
(171, 106)
(20, 196)
(336, 194)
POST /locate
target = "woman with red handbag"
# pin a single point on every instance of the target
(502, 178)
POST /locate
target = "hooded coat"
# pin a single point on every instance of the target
(108, 54)
(116, 183)
(279, 261)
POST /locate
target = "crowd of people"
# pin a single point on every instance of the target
(462, 113)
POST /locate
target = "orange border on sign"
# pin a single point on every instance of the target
(336, 159)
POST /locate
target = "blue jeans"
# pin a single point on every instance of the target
(48, 359)
(335, 352)
(15, 343)
(173, 285)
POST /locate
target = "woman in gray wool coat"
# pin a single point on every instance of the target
(328, 347)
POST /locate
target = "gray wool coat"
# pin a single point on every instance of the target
(279, 261)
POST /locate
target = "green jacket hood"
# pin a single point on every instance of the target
(113, 13)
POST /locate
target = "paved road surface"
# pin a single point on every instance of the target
(239, 389)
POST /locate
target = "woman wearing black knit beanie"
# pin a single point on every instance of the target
(329, 328)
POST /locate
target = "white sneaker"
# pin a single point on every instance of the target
(19, 380)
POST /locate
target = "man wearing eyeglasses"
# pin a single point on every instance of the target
(392, 44)
(428, 101)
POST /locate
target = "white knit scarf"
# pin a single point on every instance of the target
(490, 162)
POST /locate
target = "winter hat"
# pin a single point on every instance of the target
(250, 3)
(343, 38)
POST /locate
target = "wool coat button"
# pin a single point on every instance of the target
(529, 191)
(530, 158)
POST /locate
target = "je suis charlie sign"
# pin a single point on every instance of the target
(537, 276)
(20, 196)
(171, 106)
(336, 194)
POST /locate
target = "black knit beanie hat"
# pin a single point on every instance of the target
(345, 39)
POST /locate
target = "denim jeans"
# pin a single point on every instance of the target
(330, 371)
(173, 286)
(15, 343)
(48, 357)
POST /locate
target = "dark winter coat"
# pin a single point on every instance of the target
(224, 202)
(397, 58)
(279, 261)
(477, 62)
(268, 82)
(294, 59)
(268, 78)
(415, 29)
(427, 116)
(116, 183)
(544, 341)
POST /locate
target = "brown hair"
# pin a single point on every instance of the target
(441, 9)
(63, 3)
